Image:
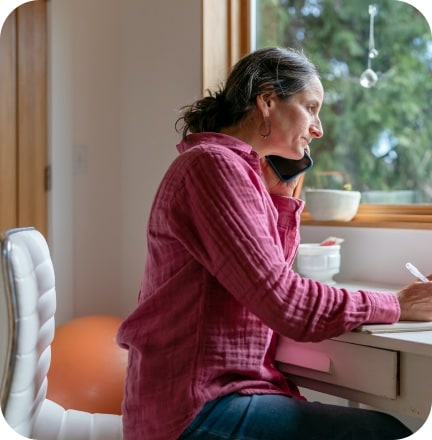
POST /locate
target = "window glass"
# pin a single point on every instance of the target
(377, 139)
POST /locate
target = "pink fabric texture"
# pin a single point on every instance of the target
(217, 289)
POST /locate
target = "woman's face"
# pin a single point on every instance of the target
(294, 122)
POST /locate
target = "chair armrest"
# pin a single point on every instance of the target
(54, 422)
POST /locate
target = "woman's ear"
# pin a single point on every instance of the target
(264, 102)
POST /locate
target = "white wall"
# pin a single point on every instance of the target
(376, 255)
(162, 72)
(119, 71)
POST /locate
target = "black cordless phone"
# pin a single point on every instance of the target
(288, 169)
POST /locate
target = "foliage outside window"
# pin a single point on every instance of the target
(378, 139)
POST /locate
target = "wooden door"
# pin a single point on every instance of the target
(23, 118)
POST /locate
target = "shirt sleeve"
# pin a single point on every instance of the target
(230, 224)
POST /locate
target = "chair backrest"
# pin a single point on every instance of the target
(8, 334)
(28, 293)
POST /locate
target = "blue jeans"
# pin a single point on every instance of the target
(277, 417)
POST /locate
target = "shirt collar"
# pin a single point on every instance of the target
(212, 138)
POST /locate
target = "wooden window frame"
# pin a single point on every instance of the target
(226, 38)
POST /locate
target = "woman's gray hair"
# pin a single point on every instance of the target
(281, 70)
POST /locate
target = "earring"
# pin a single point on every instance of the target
(265, 124)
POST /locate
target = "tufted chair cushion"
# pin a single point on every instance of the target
(30, 282)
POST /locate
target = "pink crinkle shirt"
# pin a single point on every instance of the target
(217, 289)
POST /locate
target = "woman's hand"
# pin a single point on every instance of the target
(416, 302)
(272, 182)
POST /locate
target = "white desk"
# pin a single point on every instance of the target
(389, 371)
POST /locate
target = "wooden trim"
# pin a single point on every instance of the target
(383, 216)
(32, 115)
(8, 117)
(226, 38)
(239, 30)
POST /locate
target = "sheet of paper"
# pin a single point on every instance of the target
(402, 326)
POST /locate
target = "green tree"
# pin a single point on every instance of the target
(379, 136)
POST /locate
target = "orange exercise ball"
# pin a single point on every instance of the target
(88, 368)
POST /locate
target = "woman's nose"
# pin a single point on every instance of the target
(316, 129)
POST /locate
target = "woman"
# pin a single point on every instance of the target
(218, 285)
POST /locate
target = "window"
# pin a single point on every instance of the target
(383, 159)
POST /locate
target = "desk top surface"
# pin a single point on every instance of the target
(411, 342)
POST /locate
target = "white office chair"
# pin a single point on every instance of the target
(27, 308)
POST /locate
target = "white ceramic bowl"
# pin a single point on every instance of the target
(332, 204)
(320, 263)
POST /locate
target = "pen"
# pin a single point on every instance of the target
(416, 272)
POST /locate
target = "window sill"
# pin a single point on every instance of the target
(382, 216)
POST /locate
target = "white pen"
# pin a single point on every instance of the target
(416, 272)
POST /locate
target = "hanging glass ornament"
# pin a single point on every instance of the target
(369, 77)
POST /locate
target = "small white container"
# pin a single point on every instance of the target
(332, 204)
(321, 263)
